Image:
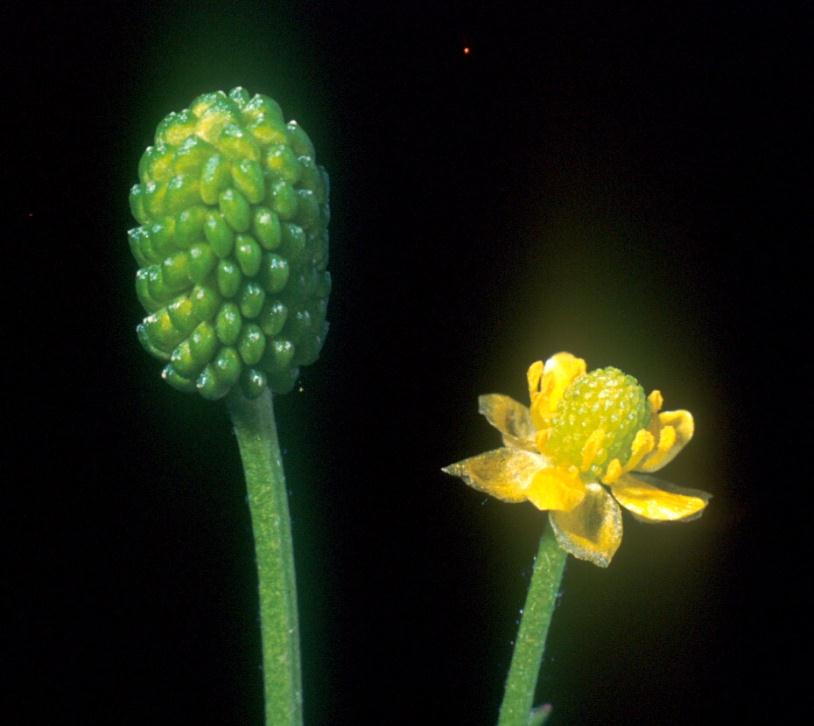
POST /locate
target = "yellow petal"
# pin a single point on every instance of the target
(658, 501)
(675, 429)
(593, 530)
(510, 418)
(557, 487)
(504, 473)
(558, 373)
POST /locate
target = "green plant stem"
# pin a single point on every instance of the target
(256, 432)
(530, 644)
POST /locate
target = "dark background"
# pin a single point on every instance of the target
(618, 182)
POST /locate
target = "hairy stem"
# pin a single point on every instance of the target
(256, 431)
(516, 709)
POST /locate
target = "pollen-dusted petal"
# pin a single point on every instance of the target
(591, 447)
(593, 530)
(675, 431)
(505, 473)
(510, 418)
(557, 487)
(559, 372)
(659, 502)
(656, 401)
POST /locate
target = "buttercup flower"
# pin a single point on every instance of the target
(572, 452)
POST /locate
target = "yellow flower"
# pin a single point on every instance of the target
(582, 435)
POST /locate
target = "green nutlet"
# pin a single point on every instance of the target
(232, 246)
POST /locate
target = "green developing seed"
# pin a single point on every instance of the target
(235, 209)
(299, 140)
(172, 376)
(189, 225)
(228, 323)
(175, 271)
(267, 228)
(284, 199)
(215, 178)
(162, 237)
(203, 343)
(219, 234)
(272, 317)
(227, 366)
(237, 144)
(274, 272)
(252, 382)
(248, 255)
(143, 291)
(209, 385)
(137, 204)
(248, 178)
(156, 164)
(229, 278)
(139, 246)
(251, 300)
(294, 242)
(278, 355)
(183, 361)
(283, 163)
(182, 192)
(201, 262)
(154, 193)
(205, 301)
(251, 345)
(182, 314)
(192, 155)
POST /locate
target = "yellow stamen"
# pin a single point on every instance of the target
(643, 444)
(656, 401)
(592, 445)
(542, 438)
(667, 439)
(613, 472)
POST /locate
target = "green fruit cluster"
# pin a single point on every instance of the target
(605, 399)
(232, 246)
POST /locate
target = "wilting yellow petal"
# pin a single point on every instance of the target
(505, 473)
(557, 374)
(557, 487)
(593, 530)
(675, 429)
(510, 418)
(659, 502)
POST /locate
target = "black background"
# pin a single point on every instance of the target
(623, 183)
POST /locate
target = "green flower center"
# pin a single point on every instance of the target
(605, 400)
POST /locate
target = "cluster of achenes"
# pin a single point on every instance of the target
(232, 247)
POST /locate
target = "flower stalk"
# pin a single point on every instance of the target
(256, 431)
(521, 683)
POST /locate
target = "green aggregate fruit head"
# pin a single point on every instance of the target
(232, 246)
